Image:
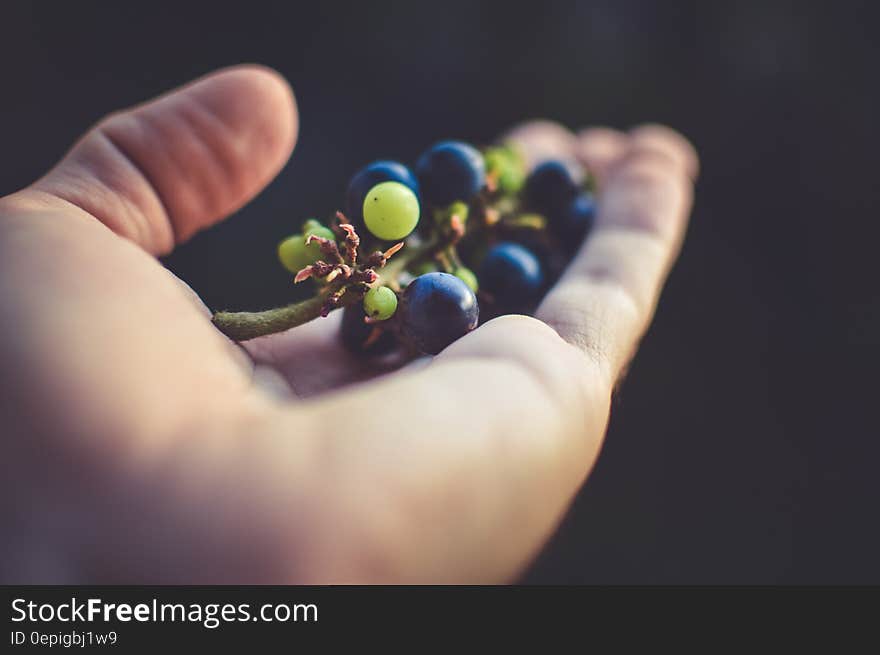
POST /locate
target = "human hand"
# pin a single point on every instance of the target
(140, 445)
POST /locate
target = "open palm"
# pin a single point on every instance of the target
(141, 445)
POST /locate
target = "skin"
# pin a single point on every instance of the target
(140, 445)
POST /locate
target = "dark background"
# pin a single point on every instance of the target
(743, 445)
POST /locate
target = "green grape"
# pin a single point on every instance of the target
(496, 160)
(460, 209)
(293, 252)
(506, 164)
(380, 303)
(391, 211)
(313, 228)
(467, 276)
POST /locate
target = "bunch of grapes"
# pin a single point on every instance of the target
(419, 256)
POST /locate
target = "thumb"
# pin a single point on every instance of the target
(160, 172)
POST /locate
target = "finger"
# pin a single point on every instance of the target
(597, 148)
(669, 142)
(160, 172)
(607, 297)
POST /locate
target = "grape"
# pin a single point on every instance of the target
(553, 254)
(460, 209)
(552, 185)
(368, 177)
(450, 171)
(435, 310)
(575, 220)
(391, 211)
(512, 275)
(313, 228)
(467, 276)
(354, 333)
(506, 164)
(293, 252)
(380, 303)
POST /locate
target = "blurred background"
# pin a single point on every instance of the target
(743, 445)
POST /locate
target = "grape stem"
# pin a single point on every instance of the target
(243, 326)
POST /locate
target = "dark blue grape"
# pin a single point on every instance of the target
(435, 310)
(354, 334)
(368, 177)
(576, 219)
(512, 276)
(552, 186)
(450, 171)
